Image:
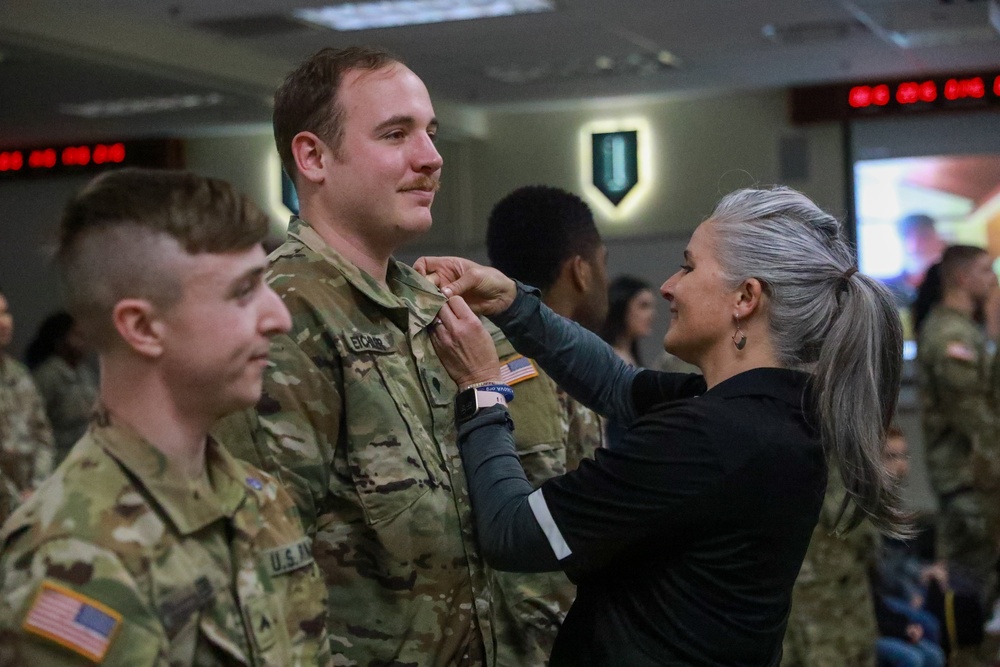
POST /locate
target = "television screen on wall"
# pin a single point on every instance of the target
(908, 209)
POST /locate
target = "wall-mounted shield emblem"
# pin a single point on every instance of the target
(615, 160)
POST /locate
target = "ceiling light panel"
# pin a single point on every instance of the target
(393, 13)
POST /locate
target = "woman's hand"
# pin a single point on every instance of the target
(485, 290)
(464, 346)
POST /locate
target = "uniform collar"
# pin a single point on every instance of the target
(190, 504)
(407, 289)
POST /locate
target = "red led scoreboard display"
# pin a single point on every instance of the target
(905, 96)
(82, 158)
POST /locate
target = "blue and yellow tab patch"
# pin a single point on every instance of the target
(72, 620)
(518, 369)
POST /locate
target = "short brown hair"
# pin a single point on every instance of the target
(114, 230)
(307, 100)
(956, 259)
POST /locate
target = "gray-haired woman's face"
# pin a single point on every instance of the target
(701, 302)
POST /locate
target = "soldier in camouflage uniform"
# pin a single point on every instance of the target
(357, 412)
(151, 544)
(832, 620)
(26, 445)
(545, 237)
(66, 382)
(959, 416)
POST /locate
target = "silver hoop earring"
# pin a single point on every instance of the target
(739, 338)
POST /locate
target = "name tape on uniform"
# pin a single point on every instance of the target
(289, 557)
(361, 342)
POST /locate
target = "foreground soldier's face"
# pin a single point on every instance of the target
(215, 339)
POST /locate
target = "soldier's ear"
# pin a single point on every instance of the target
(311, 155)
(137, 323)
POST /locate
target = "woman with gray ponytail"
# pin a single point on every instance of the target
(686, 540)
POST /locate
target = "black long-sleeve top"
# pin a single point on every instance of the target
(686, 540)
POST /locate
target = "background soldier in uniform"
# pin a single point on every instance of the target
(150, 544)
(27, 448)
(959, 415)
(545, 237)
(832, 620)
(357, 413)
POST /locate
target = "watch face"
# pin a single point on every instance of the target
(465, 405)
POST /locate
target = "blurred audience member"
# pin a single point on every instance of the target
(922, 247)
(832, 621)
(959, 416)
(631, 308)
(66, 382)
(910, 635)
(927, 296)
(26, 445)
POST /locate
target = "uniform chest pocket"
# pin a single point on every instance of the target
(386, 417)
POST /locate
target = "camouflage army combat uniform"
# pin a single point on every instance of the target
(960, 427)
(118, 558)
(69, 395)
(26, 445)
(832, 621)
(552, 434)
(357, 417)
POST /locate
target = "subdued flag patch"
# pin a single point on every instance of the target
(517, 370)
(72, 620)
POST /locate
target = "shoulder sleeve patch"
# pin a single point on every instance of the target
(72, 620)
(518, 369)
(960, 351)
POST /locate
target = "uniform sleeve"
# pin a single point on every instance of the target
(960, 375)
(293, 431)
(89, 586)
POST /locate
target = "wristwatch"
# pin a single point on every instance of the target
(472, 400)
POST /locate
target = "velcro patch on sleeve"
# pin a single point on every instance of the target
(289, 557)
(72, 620)
(960, 351)
(518, 369)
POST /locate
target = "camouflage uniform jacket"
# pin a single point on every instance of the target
(162, 570)
(26, 444)
(69, 395)
(552, 433)
(832, 620)
(357, 418)
(955, 391)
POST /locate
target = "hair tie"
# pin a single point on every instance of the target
(844, 281)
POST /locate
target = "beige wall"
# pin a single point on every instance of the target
(702, 148)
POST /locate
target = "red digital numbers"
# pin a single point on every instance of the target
(956, 89)
(912, 92)
(11, 161)
(915, 92)
(68, 156)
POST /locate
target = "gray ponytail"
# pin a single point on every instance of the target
(841, 327)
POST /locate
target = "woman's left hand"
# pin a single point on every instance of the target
(464, 346)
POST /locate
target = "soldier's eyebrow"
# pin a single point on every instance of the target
(403, 121)
(246, 282)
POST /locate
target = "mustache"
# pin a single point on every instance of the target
(423, 183)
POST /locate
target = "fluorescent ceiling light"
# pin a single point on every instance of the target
(392, 13)
(143, 105)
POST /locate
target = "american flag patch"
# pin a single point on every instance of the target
(72, 620)
(517, 370)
